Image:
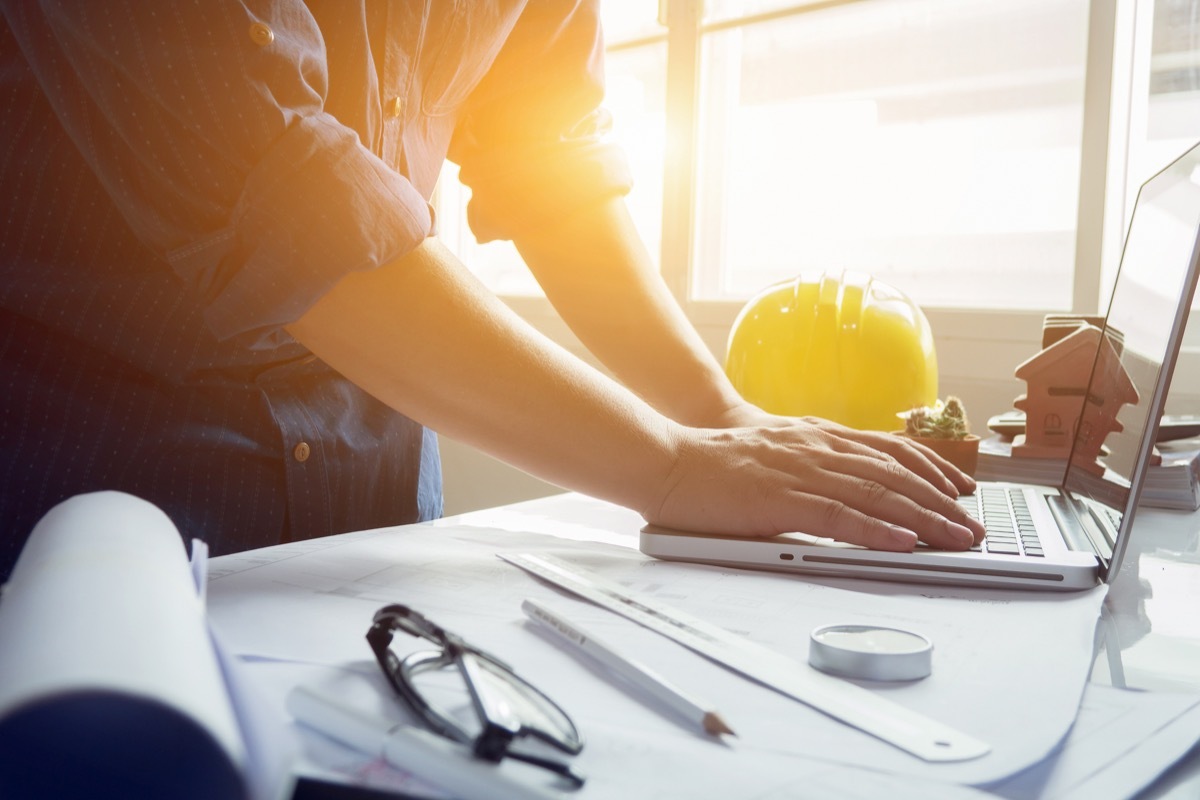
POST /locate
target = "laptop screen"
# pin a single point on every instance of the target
(1136, 354)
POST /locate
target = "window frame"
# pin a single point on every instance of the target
(970, 341)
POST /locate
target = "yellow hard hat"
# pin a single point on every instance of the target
(845, 347)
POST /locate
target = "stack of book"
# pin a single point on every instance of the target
(997, 463)
(1175, 483)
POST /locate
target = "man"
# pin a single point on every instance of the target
(222, 290)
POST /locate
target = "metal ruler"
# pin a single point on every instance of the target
(895, 724)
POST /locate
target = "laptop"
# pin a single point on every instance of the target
(1074, 535)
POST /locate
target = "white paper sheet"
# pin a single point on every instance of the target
(1121, 742)
(619, 762)
(315, 605)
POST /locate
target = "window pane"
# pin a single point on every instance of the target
(1171, 89)
(635, 95)
(1165, 114)
(1173, 114)
(932, 143)
(496, 264)
(1165, 120)
(624, 22)
(1172, 126)
(720, 11)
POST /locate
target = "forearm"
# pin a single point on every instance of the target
(597, 273)
(424, 337)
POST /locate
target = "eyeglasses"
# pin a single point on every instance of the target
(506, 706)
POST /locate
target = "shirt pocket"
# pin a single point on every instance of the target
(462, 40)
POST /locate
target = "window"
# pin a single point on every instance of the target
(636, 63)
(980, 155)
(932, 143)
(1170, 122)
(1166, 125)
(1163, 98)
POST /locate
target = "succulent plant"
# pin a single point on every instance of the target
(946, 420)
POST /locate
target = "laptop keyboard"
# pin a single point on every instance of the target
(1005, 515)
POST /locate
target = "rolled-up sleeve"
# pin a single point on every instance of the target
(315, 207)
(533, 144)
(205, 122)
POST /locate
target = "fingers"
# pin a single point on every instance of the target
(895, 462)
(936, 470)
(928, 504)
(963, 483)
(849, 525)
(886, 492)
(764, 481)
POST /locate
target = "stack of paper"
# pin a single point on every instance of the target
(997, 463)
(1175, 483)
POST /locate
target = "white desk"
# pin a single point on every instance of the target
(1150, 638)
(1153, 643)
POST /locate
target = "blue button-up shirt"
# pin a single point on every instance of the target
(178, 181)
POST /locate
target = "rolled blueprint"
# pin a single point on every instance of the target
(109, 683)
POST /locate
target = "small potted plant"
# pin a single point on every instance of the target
(944, 429)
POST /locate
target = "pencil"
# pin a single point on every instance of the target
(695, 712)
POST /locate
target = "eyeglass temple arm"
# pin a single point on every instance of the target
(500, 724)
(500, 727)
(414, 623)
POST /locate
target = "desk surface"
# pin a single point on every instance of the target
(1150, 638)
(1150, 634)
(1151, 619)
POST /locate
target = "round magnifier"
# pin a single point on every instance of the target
(870, 652)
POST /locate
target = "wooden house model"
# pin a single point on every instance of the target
(1056, 383)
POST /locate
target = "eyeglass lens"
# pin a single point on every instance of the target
(470, 696)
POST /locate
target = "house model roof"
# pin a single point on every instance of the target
(1069, 359)
(1056, 409)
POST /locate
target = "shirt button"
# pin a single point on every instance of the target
(261, 34)
(395, 107)
(301, 452)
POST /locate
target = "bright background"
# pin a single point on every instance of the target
(980, 155)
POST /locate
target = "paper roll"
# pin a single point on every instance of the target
(109, 685)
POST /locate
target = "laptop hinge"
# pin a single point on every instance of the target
(1078, 527)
